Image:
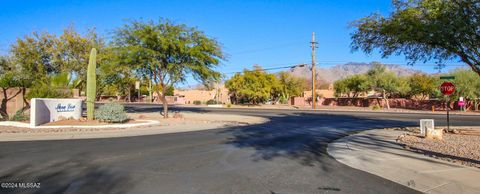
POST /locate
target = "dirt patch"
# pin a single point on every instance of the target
(457, 148)
(197, 118)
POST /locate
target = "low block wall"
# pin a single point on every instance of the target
(44, 110)
(394, 103)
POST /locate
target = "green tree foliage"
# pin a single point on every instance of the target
(378, 79)
(55, 86)
(387, 82)
(467, 85)
(73, 51)
(423, 30)
(169, 92)
(8, 81)
(47, 91)
(422, 85)
(166, 53)
(40, 55)
(290, 85)
(351, 86)
(35, 54)
(382, 80)
(115, 78)
(253, 86)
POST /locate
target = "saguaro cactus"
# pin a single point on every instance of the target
(91, 84)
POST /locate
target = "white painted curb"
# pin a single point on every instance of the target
(27, 125)
(215, 105)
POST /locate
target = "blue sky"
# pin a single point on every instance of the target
(269, 33)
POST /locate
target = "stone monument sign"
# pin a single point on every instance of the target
(45, 110)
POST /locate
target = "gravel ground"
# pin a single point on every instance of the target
(185, 119)
(457, 148)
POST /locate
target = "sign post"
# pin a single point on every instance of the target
(461, 103)
(137, 87)
(447, 89)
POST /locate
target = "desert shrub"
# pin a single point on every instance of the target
(376, 107)
(213, 102)
(283, 100)
(45, 91)
(197, 102)
(19, 116)
(111, 113)
(229, 105)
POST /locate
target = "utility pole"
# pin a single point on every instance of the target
(314, 77)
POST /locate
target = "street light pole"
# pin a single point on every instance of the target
(314, 76)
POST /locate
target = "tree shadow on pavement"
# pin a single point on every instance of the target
(302, 136)
(70, 176)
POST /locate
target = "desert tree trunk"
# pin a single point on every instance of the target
(386, 99)
(25, 101)
(164, 101)
(3, 110)
(3, 104)
(165, 106)
(163, 98)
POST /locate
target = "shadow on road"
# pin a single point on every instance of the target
(303, 137)
(214, 158)
(70, 176)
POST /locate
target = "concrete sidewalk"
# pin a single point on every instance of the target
(376, 152)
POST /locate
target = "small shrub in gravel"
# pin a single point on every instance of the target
(197, 102)
(20, 116)
(212, 102)
(111, 113)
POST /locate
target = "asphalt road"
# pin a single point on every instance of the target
(285, 155)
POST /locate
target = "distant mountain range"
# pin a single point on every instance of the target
(334, 73)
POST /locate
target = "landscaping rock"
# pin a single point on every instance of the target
(463, 149)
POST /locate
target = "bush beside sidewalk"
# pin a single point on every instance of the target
(377, 152)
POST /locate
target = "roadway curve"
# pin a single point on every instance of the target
(285, 155)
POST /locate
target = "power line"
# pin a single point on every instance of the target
(264, 69)
(279, 46)
(398, 64)
(304, 64)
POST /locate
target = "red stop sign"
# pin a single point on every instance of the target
(447, 88)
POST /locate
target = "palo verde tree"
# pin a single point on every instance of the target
(424, 30)
(73, 52)
(253, 86)
(167, 53)
(387, 82)
(467, 85)
(35, 55)
(8, 81)
(352, 86)
(290, 85)
(422, 85)
(41, 55)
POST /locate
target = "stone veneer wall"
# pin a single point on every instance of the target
(368, 102)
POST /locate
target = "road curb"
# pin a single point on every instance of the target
(376, 152)
(27, 125)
